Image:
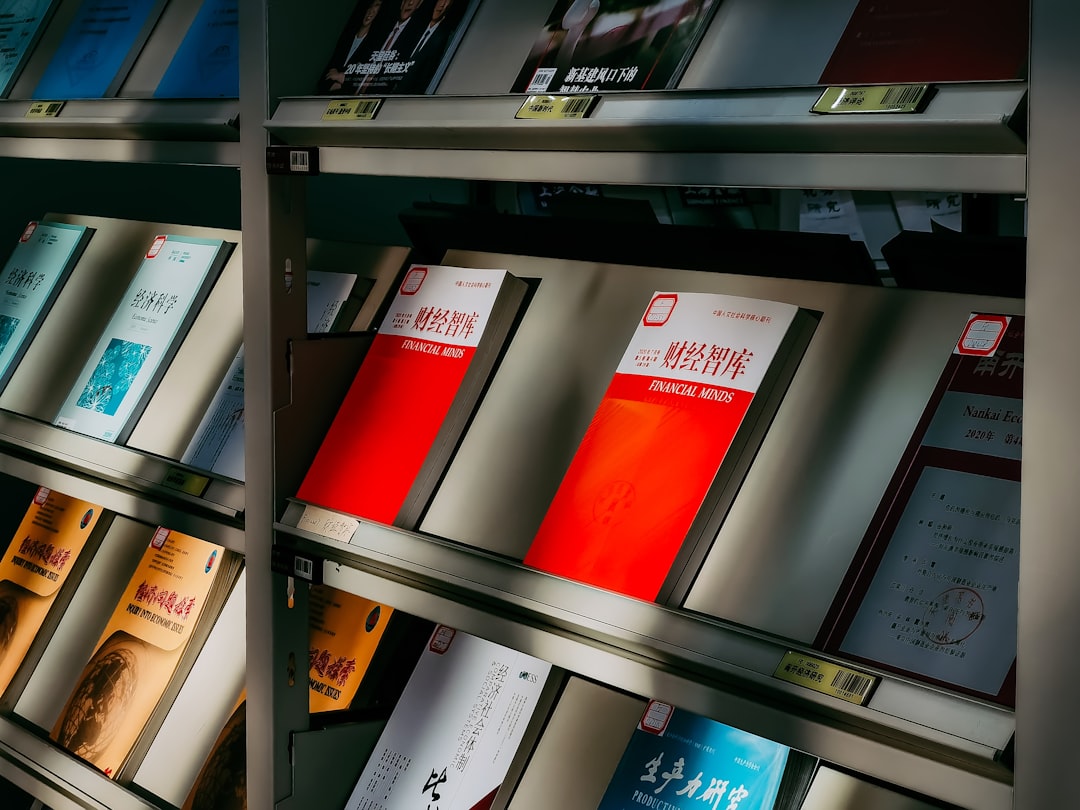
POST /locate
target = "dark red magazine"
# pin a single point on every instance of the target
(932, 590)
(896, 41)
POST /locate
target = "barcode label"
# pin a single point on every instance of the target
(825, 677)
(44, 109)
(367, 107)
(353, 109)
(541, 80)
(576, 107)
(556, 108)
(292, 160)
(303, 568)
(897, 98)
(852, 682)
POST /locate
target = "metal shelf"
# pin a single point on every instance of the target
(34, 448)
(649, 649)
(35, 764)
(970, 137)
(125, 130)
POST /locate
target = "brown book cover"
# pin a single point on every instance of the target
(222, 782)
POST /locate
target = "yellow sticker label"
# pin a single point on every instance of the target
(184, 481)
(44, 109)
(557, 107)
(826, 677)
(352, 109)
(883, 98)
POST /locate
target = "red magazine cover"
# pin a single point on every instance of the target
(444, 323)
(652, 452)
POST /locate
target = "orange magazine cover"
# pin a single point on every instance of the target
(39, 559)
(139, 650)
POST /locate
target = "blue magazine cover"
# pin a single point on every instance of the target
(29, 283)
(206, 64)
(98, 49)
(678, 760)
(21, 23)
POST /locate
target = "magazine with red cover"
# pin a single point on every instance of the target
(658, 465)
(892, 41)
(414, 393)
(932, 590)
(588, 46)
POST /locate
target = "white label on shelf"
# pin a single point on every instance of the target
(331, 525)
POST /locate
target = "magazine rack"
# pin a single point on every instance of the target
(739, 118)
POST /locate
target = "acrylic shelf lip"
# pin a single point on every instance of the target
(115, 118)
(45, 446)
(679, 133)
(33, 763)
(200, 132)
(389, 564)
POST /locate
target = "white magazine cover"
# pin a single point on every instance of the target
(455, 730)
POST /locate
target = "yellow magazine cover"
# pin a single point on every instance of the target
(38, 560)
(139, 650)
(345, 630)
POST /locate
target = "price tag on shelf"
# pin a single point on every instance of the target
(883, 98)
(560, 108)
(352, 109)
(44, 109)
(331, 525)
(826, 677)
(292, 160)
(294, 564)
(186, 481)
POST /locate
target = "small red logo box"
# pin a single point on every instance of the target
(160, 536)
(413, 279)
(656, 718)
(155, 248)
(26, 234)
(441, 639)
(41, 495)
(660, 309)
(983, 335)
